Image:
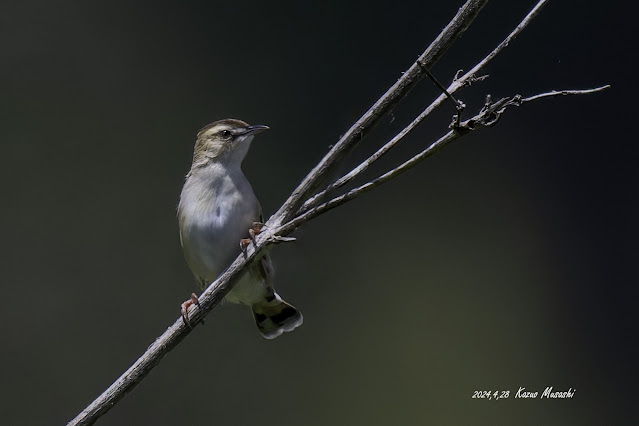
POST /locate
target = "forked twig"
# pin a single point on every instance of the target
(458, 82)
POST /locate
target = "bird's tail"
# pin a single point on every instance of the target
(274, 317)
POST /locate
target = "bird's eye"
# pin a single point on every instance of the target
(226, 134)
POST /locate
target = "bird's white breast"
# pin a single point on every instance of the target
(217, 208)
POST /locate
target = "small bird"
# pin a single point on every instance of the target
(217, 210)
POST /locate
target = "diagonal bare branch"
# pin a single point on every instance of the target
(275, 232)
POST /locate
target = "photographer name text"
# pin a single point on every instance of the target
(523, 393)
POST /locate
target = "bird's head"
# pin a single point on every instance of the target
(224, 141)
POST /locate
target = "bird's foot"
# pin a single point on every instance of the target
(253, 231)
(256, 229)
(185, 308)
(244, 243)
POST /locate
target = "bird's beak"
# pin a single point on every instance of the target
(251, 130)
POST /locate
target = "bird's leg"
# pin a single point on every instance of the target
(253, 231)
(185, 308)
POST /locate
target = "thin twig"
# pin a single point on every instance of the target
(458, 82)
(488, 116)
(564, 93)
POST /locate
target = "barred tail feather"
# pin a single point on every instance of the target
(275, 317)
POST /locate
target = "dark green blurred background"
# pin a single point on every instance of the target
(507, 260)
